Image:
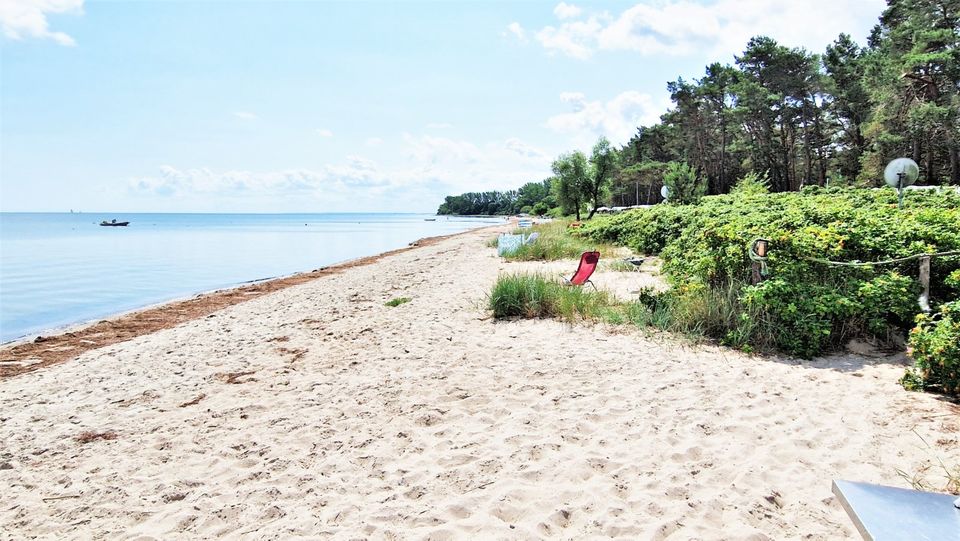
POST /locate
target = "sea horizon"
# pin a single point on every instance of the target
(61, 269)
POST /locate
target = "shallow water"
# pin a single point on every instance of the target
(62, 269)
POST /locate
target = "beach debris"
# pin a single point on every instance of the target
(295, 353)
(279, 338)
(234, 378)
(91, 436)
(775, 498)
(194, 402)
(6, 466)
(174, 497)
(39, 339)
(64, 497)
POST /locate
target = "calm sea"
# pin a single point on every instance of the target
(61, 269)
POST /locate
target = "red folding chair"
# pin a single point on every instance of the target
(588, 264)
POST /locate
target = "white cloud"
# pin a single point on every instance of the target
(21, 19)
(428, 149)
(566, 11)
(434, 167)
(616, 119)
(323, 132)
(520, 148)
(576, 39)
(719, 28)
(244, 115)
(517, 30)
(577, 99)
(465, 166)
(173, 181)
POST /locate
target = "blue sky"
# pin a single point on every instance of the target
(317, 107)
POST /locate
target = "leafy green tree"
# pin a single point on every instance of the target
(751, 184)
(795, 117)
(532, 193)
(849, 104)
(603, 164)
(684, 185)
(716, 92)
(913, 77)
(571, 182)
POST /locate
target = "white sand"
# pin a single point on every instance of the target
(432, 421)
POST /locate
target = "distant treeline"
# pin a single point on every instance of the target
(531, 198)
(785, 115)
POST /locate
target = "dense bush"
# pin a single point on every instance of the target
(804, 307)
(935, 346)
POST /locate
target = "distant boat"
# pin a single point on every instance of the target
(429, 219)
(114, 223)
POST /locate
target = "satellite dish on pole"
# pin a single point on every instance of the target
(665, 192)
(901, 173)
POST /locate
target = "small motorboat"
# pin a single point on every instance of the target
(114, 223)
(429, 219)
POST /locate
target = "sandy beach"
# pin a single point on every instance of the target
(316, 411)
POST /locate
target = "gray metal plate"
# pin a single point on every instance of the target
(891, 514)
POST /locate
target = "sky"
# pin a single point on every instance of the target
(274, 107)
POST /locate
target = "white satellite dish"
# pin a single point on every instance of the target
(665, 192)
(901, 173)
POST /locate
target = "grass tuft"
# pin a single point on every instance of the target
(619, 265)
(537, 296)
(397, 302)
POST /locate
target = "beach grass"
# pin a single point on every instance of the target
(619, 265)
(697, 314)
(397, 302)
(537, 296)
(557, 241)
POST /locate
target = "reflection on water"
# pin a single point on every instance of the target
(59, 269)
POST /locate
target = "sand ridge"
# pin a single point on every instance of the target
(316, 411)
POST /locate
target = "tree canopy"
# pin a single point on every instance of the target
(790, 116)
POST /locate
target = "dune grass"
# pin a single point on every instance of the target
(619, 265)
(397, 302)
(538, 296)
(697, 314)
(556, 241)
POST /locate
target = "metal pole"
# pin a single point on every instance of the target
(924, 300)
(900, 190)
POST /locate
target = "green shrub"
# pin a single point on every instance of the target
(805, 307)
(684, 185)
(537, 296)
(935, 347)
(397, 302)
(751, 184)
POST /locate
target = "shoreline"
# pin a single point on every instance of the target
(319, 410)
(26, 354)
